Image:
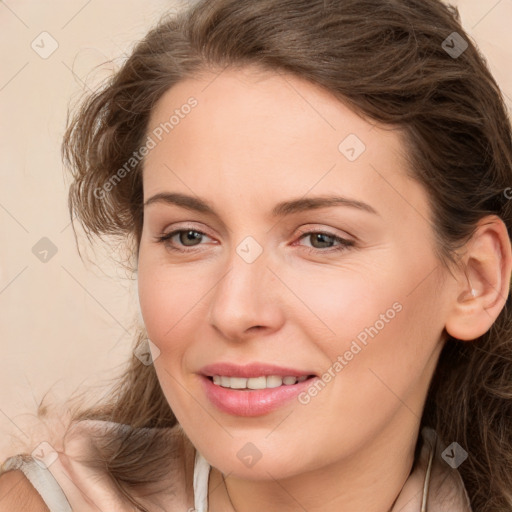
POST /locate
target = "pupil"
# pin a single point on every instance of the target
(321, 238)
(190, 236)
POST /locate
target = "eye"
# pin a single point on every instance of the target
(186, 237)
(325, 241)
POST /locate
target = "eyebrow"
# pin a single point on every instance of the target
(280, 210)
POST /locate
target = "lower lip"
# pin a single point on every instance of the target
(252, 402)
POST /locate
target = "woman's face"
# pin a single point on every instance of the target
(261, 274)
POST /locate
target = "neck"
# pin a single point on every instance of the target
(371, 479)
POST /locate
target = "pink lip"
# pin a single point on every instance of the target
(250, 370)
(252, 402)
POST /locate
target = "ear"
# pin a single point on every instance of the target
(483, 283)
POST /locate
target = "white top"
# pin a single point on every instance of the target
(201, 475)
(42, 479)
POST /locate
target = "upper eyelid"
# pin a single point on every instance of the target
(301, 231)
(341, 233)
(179, 229)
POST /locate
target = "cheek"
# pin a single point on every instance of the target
(337, 304)
(370, 318)
(386, 349)
(168, 299)
(153, 303)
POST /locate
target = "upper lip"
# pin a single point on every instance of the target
(250, 370)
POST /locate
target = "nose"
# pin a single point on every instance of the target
(247, 300)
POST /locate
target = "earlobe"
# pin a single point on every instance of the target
(483, 282)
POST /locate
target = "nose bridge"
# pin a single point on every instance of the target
(245, 296)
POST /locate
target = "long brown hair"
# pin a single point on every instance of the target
(387, 59)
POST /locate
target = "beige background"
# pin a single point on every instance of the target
(63, 322)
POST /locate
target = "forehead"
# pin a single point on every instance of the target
(260, 134)
(240, 102)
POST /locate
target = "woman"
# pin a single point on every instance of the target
(315, 193)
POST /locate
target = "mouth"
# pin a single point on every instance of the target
(254, 396)
(253, 389)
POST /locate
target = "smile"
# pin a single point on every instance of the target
(242, 400)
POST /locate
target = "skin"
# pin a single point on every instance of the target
(255, 139)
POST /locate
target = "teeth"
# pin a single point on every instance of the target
(272, 381)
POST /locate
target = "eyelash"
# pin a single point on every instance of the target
(343, 243)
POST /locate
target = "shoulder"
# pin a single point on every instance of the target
(84, 481)
(17, 494)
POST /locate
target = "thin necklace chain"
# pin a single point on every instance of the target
(227, 492)
(233, 507)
